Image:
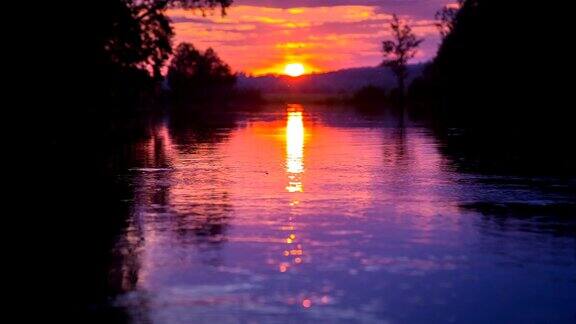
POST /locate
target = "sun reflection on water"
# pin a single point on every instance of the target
(294, 148)
(293, 252)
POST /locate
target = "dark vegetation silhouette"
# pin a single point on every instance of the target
(91, 66)
(498, 81)
(248, 99)
(491, 62)
(369, 96)
(345, 81)
(109, 54)
(446, 17)
(399, 51)
(195, 75)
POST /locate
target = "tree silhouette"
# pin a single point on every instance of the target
(125, 45)
(446, 18)
(140, 37)
(400, 50)
(142, 34)
(194, 74)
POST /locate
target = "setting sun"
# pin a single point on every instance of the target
(294, 69)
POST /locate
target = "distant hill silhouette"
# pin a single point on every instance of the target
(341, 81)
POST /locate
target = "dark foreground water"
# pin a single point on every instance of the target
(296, 214)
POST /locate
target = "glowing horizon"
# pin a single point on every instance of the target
(262, 37)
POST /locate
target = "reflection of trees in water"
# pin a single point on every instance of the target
(204, 225)
(509, 151)
(206, 218)
(394, 148)
(536, 168)
(123, 274)
(125, 250)
(556, 218)
(202, 125)
(207, 221)
(166, 202)
(86, 204)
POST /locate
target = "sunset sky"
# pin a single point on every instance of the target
(262, 36)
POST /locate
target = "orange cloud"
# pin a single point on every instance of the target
(261, 40)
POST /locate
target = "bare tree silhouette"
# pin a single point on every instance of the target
(398, 51)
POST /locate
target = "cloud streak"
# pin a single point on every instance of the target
(262, 37)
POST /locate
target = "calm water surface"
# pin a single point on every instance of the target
(301, 215)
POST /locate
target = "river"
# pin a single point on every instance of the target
(304, 214)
